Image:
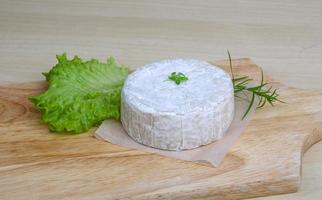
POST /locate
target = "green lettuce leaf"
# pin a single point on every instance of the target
(81, 94)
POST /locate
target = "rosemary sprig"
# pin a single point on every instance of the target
(177, 77)
(241, 84)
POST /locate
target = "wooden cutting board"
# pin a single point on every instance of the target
(266, 160)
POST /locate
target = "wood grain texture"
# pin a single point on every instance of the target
(266, 160)
(284, 37)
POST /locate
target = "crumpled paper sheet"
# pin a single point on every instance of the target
(113, 132)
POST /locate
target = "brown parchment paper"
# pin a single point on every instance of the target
(113, 132)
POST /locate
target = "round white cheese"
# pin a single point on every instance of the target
(157, 112)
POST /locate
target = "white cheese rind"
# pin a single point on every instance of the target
(158, 113)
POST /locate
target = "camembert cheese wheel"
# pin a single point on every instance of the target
(157, 112)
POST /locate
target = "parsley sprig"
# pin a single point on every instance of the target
(177, 77)
(265, 95)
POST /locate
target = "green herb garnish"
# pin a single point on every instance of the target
(177, 77)
(241, 84)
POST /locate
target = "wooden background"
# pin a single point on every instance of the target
(284, 37)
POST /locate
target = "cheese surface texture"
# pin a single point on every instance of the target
(159, 113)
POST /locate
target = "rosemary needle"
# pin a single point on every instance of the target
(241, 84)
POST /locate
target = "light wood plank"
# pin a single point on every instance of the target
(284, 37)
(266, 160)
